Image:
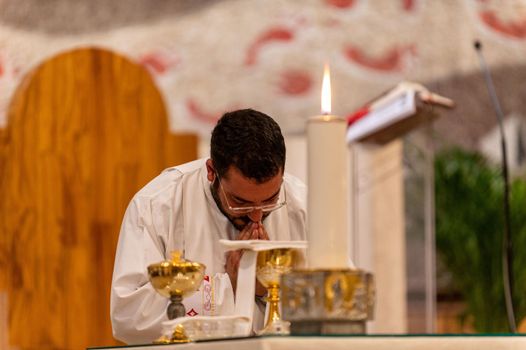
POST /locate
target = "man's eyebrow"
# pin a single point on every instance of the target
(239, 199)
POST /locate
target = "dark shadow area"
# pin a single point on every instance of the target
(64, 17)
(474, 115)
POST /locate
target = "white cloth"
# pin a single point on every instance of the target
(176, 210)
(247, 271)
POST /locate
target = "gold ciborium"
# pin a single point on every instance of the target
(176, 279)
(271, 264)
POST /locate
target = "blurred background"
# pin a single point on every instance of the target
(97, 97)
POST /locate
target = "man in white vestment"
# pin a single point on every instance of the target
(241, 192)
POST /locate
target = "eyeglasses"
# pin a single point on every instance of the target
(267, 208)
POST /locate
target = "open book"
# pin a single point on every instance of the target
(394, 113)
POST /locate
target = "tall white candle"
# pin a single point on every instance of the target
(328, 189)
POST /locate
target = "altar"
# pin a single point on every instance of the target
(354, 342)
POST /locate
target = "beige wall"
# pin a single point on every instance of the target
(270, 54)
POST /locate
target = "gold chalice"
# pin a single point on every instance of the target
(271, 264)
(176, 279)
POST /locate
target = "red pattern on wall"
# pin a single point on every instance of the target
(343, 4)
(158, 62)
(391, 61)
(310, 32)
(408, 5)
(197, 112)
(295, 82)
(271, 35)
(515, 29)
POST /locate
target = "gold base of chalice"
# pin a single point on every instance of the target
(178, 336)
(176, 279)
(271, 264)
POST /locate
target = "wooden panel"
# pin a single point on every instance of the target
(86, 130)
(3, 257)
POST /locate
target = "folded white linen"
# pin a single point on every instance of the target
(244, 303)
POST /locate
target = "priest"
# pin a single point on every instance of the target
(240, 192)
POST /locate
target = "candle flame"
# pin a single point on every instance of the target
(326, 90)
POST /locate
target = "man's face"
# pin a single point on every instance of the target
(233, 190)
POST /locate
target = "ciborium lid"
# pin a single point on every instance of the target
(179, 261)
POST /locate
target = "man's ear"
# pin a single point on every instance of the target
(210, 171)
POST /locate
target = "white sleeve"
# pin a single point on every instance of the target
(137, 310)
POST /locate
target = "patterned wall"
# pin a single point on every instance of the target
(211, 56)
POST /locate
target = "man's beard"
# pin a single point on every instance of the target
(239, 222)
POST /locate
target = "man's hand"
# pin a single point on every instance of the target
(253, 230)
(259, 231)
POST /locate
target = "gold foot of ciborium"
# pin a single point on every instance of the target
(176, 279)
(271, 264)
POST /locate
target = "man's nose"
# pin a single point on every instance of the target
(256, 215)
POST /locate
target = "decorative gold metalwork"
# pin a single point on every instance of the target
(178, 336)
(327, 301)
(271, 264)
(176, 279)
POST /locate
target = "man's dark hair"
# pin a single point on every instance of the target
(249, 140)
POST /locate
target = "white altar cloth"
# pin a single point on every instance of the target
(361, 342)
